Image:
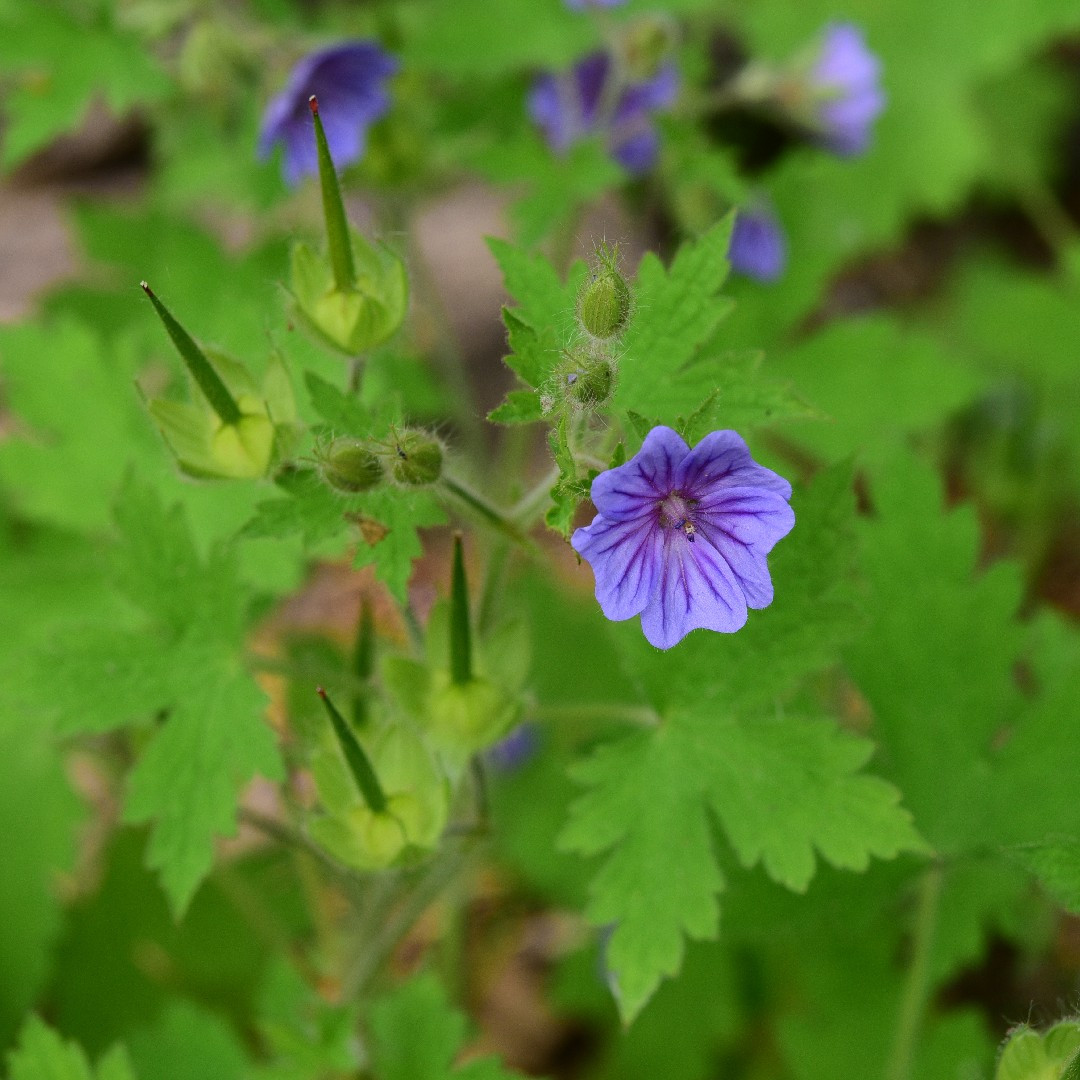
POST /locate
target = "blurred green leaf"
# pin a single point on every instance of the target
(44, 1055)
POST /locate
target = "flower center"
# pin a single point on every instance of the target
(675, 513)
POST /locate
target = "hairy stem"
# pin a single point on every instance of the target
(917, 986)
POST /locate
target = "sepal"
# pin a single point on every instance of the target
(234, 428)
(352, 318)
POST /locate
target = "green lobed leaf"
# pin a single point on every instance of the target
(401, 513)
(43, 1054)
(677, 311)
(814, 611)
(48, 96)
(520, 407)
(212, 742)
(872, 378)
(213, 738)
(1057, 866)
(785, 789)
(188, 1042)
(416, 1035)
(951, 639)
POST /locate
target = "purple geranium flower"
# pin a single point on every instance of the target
(847, 78)
(681, 535)
(349, 81)
(581, 5)
(583, 102)
(758, 248)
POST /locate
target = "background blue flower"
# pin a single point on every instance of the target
(349, 81)
(758, 246)
(583, 102)
(681, 535)
(847, 75)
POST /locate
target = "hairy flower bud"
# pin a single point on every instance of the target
(1029, 1055)
(604, 302)
(593, 385)
(350, 466)
(418, 459)
(586, 376)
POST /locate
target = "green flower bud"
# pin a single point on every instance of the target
(235, 429)
(586, 377)
(412, 814)
(1027, 1055)
(466, 717)
(350, 466)
(592, 385)
(357, 317)
(356, 297)
(604, 302)
(418, 459)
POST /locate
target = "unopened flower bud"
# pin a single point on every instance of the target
(235, 428)
(352, 317)
(604, 302)
(418, 459)
(593, 385)
(350, 466)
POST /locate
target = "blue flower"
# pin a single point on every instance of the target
(681, 535)
(581, 5)
(583, 102)
(513, 750)
(349, 81)
(758, 248)
(846, 77)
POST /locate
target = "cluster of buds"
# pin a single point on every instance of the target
(385, 779)
(411, 458)
(585, 378)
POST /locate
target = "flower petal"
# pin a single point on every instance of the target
(625, 558)
(633, 489)
(722, 457)
(753, 516)
(697, 590)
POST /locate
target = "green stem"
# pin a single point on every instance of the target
(460, 637)
(917, 986)
(393, 928)
(214, 390)
(531, 506)
(363, 661)
(491, 515)
(337, 226)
